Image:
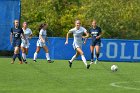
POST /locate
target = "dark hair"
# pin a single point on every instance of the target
(41, 26)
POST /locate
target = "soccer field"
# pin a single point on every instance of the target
(57, 77)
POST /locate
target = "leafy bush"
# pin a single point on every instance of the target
(117, 18)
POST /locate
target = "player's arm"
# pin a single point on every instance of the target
(67, 37)
(47, 40)
(100, 34)
(31, 35)
(40, 35)
(42, 38)
(22, 34)
(24, 37)
(11, 36)
(86, 37)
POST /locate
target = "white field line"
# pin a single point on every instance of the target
(118, 84)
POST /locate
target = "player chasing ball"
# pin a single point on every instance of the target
(77, 32)
(15, 39)
(41, 42)
(24, 46)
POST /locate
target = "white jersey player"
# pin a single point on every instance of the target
(78, 32)
(42, 34)
(41, 42)
(25, 45)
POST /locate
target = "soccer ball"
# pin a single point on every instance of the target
(114, 68)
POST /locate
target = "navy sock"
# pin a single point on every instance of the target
(97, 55)
(19, 57)
(14, 57)
(92, 56)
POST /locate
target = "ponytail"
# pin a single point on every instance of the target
(41, 26)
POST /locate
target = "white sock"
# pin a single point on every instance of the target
(73, 58)
(24, 56)
(84, 59)
(35, 56)
(91, 63)
(47, 56)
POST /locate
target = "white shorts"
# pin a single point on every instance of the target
(40, 44)
(25, 45)
(77, 45)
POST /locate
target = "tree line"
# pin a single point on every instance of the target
(117, 18)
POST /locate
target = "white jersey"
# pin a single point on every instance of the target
(43, 33)
(27, 32)
(77, 34)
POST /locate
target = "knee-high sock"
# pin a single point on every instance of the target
(24, 56)
(73, 58)
(47, 56)
(84, 59)
(91, 56)
(14, 57)
(19, 57)
(97, 55)
(35, 56)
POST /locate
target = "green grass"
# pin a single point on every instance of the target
(43, 77)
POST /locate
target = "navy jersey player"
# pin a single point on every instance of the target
(15, 39)
(95, 33)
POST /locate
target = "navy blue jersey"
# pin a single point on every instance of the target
(16, 32)
(94, 32)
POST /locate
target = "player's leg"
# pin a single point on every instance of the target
(92, 53)
(73, 58)
(23, 50)
(17, 52)
(39, 45)
(36, 53)
(26, 51)
(79, 50)
(97, 47)
(14, 55)
(23, 53)
(47, 54)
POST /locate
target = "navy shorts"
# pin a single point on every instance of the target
(95, 43)
(16, 43)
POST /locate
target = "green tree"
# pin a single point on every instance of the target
(117, 18)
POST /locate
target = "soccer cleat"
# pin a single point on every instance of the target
(91, 61)
(12, 62)
(34, 60)
(70, 64)
(20, 62)
(88, 66)
(50, 61)
(25, 61)
(96, 61)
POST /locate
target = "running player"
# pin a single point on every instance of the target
(77, 32)
(41, 43)
(25, 46)
(95, 33)
(15, 39)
